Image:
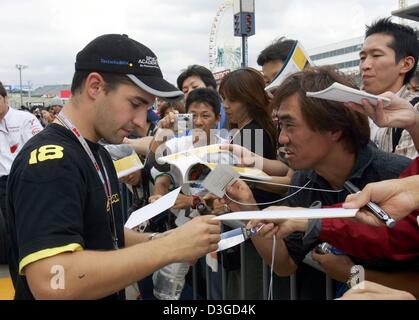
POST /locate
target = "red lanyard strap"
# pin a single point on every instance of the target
(64, 120)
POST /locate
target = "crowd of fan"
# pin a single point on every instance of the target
(305, 143)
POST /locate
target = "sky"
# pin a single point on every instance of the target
(46, 35)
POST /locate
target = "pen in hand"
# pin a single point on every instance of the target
(374, 208)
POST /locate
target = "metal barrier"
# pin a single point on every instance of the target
(289, 284)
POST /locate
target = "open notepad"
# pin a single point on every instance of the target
(289, 214)
(342, 93)
(196, 163)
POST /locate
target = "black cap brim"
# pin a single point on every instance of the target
(156, 86)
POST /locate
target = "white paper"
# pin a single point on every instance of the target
(224, 244)
(289, 214)
(219, 179)
(341, 93)
(212, 261)
(246, 172)
(153, 209)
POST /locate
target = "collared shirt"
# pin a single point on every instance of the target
(383, 137)
(371, 165)
(16, 128)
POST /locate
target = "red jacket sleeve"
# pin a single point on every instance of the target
(368, 242)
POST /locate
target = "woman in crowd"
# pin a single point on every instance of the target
(247, 107)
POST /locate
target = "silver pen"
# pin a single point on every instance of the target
(374, 208)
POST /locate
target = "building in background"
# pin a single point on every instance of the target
(344, 55)
(39, 97)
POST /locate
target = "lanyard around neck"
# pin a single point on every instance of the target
(105, 179)
(64, 120)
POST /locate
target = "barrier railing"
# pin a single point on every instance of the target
(284, 288)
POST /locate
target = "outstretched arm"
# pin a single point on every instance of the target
(94, 274)
(399, 114)
(367, 290)
(398, 197)
(251, 159)
(140, 145)
(338, 267)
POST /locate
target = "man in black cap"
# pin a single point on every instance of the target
(65, 214)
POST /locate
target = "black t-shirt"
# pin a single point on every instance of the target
(56, 200)
(256, 139)
(252, 136)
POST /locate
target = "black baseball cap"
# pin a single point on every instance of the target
(116, 53)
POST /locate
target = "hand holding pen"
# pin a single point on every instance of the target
(375, 209)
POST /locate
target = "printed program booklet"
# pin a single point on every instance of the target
(195, 164)
(341, 93)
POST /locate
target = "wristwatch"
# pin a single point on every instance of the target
(355, 276)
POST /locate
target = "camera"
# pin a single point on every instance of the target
(183, 122)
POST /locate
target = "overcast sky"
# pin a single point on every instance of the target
(46, 34)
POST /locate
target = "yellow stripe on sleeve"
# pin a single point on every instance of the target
(46, 253)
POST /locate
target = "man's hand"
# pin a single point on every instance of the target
(168, 121)
(247, 157)
(219, 206)
(280, 228)
(399, 114)
(132, 179)
(216, 205)
(367, 290)
(154, 198)
(397, 197)
(165, 132)
(183, 202)
(337, 267)
(240, 192)
(196, 238)
(266, 229)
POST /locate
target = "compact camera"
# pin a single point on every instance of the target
(183, 122)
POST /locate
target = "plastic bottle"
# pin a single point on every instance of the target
(169, 281)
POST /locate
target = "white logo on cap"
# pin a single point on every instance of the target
(149, 62)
